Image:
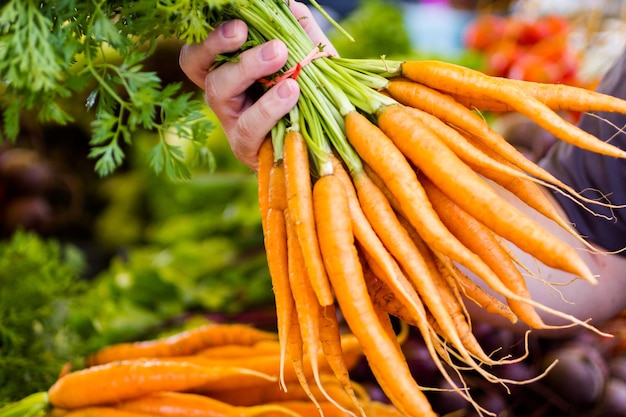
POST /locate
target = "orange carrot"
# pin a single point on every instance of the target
(444, 107)
(473, 194)
(275, 235)
(306, 409)
(178, 404)
(295, 353)
(266, 160)
(298, 182)
(401, 246)
(530, 193)
(481, 103)
(238, 351)
(103, 412)
(375, 252)
(571, 98)
(123, 380)
(400, 178)
(308, 309)
(478, 295)
(481, 240)
(330, 339)
(342, 261)
(459, 79)
(183, 343)
(271, 393)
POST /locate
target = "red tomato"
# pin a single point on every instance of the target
(484, 31)
(535, 68)
(501, 56)
(537, 30)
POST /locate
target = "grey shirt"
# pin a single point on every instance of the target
(584, 170)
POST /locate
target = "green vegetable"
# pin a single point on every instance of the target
(391, 40)
(38, 279)
(53, 53)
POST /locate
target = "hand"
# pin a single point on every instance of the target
(246, 121)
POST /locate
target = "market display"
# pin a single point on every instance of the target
(374, 196)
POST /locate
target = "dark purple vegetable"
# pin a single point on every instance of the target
(580, 375)
(614, 404)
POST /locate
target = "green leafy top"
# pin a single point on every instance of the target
(51, 51)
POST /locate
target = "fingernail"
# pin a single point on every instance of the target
(284, 90)
(228, 29)
(269, 51)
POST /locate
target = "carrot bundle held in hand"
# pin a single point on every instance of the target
(353, 188)
(385, 171)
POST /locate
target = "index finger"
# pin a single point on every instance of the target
(310, 26)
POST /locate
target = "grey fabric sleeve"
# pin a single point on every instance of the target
(584, 170)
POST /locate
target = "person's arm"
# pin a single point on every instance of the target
(596, 174)
(584, 170)
(245, 116)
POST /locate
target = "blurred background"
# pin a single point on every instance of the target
(87, 260)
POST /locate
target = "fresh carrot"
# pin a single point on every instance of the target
(477, 294)
(342, 261)
(266, 161)
(295, 353)
(271, 393)
(571, 98)
(531, 194)
(179, 404)
(238, 351)
(183, 343)
(400, 178)
(445, 108)
(103, 412)
(470, 153)
(306, 408)
(330, 339)
(459, 79)
(384, 298)
(308, 309)
(275, 236)
(481, 240)
(424, 279)
(480, 103)
(298, 183)
(473, 194)
(123, 380)
(375, 252)
(373, 249)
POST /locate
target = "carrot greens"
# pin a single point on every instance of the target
(347, 182)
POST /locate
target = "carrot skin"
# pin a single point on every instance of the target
(103, 412)
(123, 380)
(178, 404)
(184, 343)
(298, 183)
(345, 272)
(458, 79)
(275, 237)
(266, 161)
(460, 183)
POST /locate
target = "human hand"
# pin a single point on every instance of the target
(246, 120)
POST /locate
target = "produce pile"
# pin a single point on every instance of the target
(516, 47)
(371, 194)
(373, 197)
(199, 372)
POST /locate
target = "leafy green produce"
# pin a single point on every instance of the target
(53, 53)
(38, 280)
(368, 25)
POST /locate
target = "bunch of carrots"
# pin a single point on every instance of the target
(376, 195)
(216, 370)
